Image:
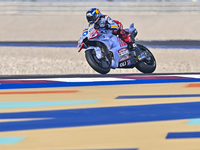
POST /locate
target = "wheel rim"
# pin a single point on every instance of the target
(150, 60)
(103, 62)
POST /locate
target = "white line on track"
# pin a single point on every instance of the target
(78, 79)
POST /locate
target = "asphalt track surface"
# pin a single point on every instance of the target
(113, 111)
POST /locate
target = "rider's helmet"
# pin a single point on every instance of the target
(93, 15)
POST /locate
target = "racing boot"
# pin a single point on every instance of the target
(139, 53)
(136, 51)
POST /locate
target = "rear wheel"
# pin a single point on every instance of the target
(147, 65)
(100, 65)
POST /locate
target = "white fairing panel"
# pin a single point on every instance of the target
(113, 43)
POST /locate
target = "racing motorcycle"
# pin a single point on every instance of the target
(105, 51)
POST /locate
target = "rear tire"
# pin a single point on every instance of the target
(146, 66)
(102, 65)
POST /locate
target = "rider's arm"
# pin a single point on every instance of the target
(110, 24)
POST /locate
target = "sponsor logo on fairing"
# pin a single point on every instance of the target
(124, 58)
(128, 62)
(122, 64)
(123, 52)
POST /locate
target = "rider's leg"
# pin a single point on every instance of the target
(125, 36)
(129, 39)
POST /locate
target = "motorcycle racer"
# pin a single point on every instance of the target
(94, 16)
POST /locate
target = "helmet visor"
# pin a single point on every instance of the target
(90, 19)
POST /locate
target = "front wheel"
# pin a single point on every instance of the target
(100, 65)
(148, 65)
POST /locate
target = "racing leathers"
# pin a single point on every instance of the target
(106, 22)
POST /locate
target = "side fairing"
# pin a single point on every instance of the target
(113, 43)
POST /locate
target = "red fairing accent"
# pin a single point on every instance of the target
(122, 43)
(94, 34)
(81, 46)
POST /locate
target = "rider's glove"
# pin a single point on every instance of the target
(96, 26)
(107, 26)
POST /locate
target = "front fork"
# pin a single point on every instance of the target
(139, 54)
(99, 54)
(137, 50)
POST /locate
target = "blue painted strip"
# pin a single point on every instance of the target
(182, 135)
(194, 121)
(5, 105)
(100, 116)
(96, 83)
(11, 140)
(157, 96)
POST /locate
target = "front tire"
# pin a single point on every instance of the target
(102, 65)
(148, 65)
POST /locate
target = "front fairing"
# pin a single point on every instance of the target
(88, 34)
